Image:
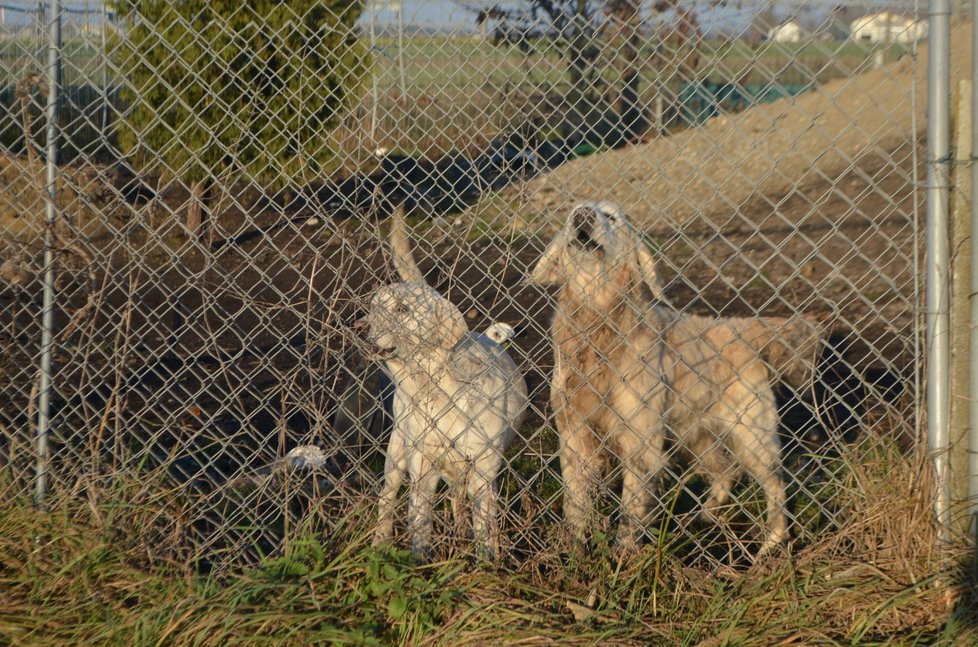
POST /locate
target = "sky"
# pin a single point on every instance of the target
(435, 13)
(448, 14)
(734, 16)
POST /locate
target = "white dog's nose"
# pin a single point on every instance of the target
(583, 220)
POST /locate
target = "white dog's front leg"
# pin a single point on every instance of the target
(640, 440)
(421, 504)
(395, 468)
(636, 506)
(580, 466)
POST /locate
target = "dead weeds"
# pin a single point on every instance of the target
(69, 574)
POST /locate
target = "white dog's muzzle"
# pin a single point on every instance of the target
(361, 332)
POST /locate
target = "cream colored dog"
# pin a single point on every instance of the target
(457, 403)
(629, 370)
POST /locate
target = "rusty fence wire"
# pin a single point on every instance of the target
(223, 178)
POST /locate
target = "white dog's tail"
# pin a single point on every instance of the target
(401, 248)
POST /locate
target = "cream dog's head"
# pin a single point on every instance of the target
(597, 255)
(410, 319)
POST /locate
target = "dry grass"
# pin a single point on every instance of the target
(85, 195)
(21, 200)
(84, 573)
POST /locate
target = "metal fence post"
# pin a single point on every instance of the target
(960, 286)
(937, 311)
(973, 383)
(51, 215)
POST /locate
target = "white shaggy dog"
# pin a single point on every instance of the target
(629, 370)
(457, 403)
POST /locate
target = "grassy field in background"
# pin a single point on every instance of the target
(433, 64)
(457, 92)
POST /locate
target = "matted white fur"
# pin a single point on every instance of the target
(457, 403)
(630, 371)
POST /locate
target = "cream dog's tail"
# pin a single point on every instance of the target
(790, 345)
(401, 248)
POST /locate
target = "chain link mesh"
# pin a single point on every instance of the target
(219, 189)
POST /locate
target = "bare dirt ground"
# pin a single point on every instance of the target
(267, 316)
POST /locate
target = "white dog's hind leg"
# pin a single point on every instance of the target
(459, 507)
(482, 492)
(774, 491)
(386, 507)
(755, 443)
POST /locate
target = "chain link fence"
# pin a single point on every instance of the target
(221, 188)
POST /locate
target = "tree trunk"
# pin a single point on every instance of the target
(577, 66)
(198, 210)
(633, 121)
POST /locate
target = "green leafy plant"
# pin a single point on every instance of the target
(387, 593)
(247, 86)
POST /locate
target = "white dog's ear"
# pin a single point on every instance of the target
(550, 268)
(451, 323)
(646, 269)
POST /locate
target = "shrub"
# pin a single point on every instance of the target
(248, 86)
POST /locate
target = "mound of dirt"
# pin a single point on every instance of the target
(769, 150)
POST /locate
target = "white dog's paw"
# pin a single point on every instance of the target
(423, 551)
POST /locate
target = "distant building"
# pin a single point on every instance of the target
(787, 32)
(833, 29)
(888, 27)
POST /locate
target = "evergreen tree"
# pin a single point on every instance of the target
(246, 85)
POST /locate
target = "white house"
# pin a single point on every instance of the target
(888, 27)
(787, 32)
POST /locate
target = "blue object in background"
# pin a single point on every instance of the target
(701, 100)
(364, 414)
